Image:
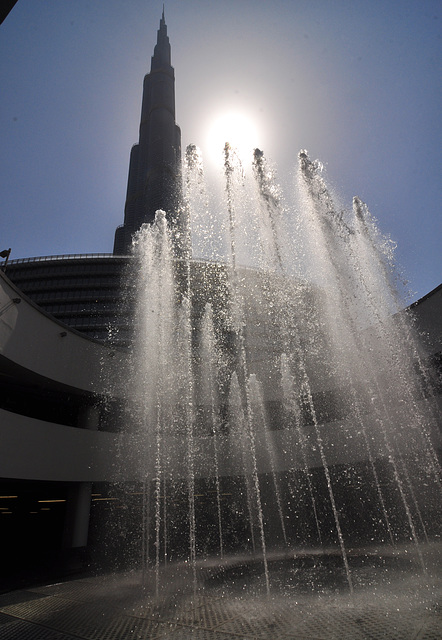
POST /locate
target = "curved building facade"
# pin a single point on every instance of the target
(83, 291)
(56, 428)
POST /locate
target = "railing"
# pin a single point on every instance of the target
(69, 256)
(76, 256)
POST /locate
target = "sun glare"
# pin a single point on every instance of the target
(236, 129)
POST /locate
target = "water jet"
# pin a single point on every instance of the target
(281, 402)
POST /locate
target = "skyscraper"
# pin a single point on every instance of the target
(154, 180)
(83, 291)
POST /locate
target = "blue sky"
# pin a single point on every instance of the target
(356, 83)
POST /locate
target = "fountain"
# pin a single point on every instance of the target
(280, 433)
(281, 422)
(278, 399)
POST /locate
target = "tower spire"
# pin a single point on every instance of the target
(161, 55)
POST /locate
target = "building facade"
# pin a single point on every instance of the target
(82, 291)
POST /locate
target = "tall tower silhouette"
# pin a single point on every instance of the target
(154, 180)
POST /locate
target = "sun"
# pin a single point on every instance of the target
(238, 130)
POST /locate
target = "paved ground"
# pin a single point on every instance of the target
(307, 601)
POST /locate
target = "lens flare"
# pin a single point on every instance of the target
(238, 130)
